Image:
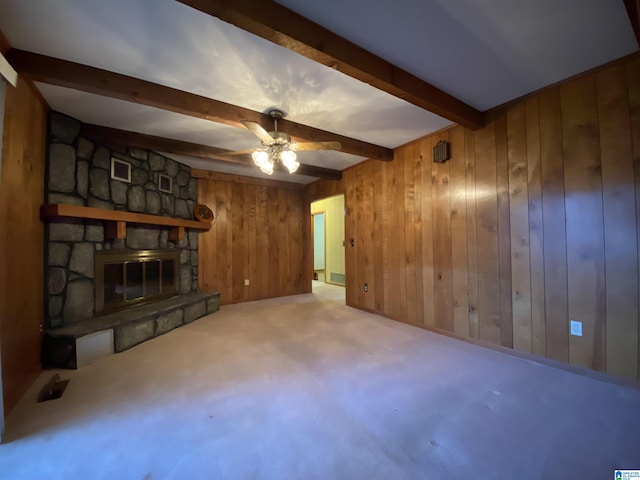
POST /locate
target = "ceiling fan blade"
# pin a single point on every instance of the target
(258, 131)
(238, 152)
(306, 146)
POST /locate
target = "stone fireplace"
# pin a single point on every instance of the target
(113, 284)
(79, 174)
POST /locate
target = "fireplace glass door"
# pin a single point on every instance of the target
(130, 277)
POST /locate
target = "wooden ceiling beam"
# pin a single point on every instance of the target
(633, 10)
(288, 29)
(116, 136)
(63, 73)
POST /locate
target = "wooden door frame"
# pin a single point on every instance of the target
(310, 265)
(3, 87)
(313, 250)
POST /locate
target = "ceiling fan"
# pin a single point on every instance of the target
(277, 146)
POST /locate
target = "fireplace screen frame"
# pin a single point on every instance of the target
(124, 257)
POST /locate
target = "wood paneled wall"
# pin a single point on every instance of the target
(21, 240)
(259, 234)
(534, 221)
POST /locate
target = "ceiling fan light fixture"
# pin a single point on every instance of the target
(288, 159)
(260, 157)
(267, 168)
(278, 147)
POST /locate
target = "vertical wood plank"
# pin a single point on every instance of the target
(21, 240)
(620, 235)
(423, 150)
(519, 219)
(386, 227)
(351, 251)
(504, 230)
(585, 236)
(472, 232)
(204, 241)
(379, 206)
(443, 283)
(400, 257)
(554, 229)
(252, 245)
(284, 277)
(487, 234)
(228, 273)
(273, 212)
(410, 234)
(397, 280)
(417, 205)
(459, 258)
(633, 84)
(536, 234)
(262, 243)
(223, 223)
(368, 274)
(362, 236)
(294, 232)
(238, 244)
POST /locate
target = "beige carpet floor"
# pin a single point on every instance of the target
(304, 387)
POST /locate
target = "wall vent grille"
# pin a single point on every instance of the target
(337, 278)
(441, 152)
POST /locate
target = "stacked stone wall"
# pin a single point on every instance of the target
(79, 173)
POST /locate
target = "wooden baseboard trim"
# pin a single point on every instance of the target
(585, 372)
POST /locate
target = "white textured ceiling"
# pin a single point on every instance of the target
(485, 52)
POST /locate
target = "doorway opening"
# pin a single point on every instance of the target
(327, 232)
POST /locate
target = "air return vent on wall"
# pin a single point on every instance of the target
(441, 152)
(337, 278)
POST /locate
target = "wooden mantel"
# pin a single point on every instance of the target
(115, 221)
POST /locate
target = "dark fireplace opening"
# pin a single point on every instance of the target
(131, 277)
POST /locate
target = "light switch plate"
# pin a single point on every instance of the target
(246, 282)
(576, 328)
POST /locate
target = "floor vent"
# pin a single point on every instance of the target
(53, 389)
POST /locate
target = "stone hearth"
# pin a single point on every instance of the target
(62, 346)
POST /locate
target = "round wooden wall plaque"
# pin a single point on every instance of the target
(203, 213)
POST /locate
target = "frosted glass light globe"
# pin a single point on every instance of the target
(260, 157)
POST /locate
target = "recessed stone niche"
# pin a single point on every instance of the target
(79, 173)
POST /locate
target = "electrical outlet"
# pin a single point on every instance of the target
(246, 282)
(366, 287)
(576, 328)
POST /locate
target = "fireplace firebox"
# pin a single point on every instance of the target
(132, 277)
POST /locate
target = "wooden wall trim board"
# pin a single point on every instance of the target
(533, 222)
(21, 240)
